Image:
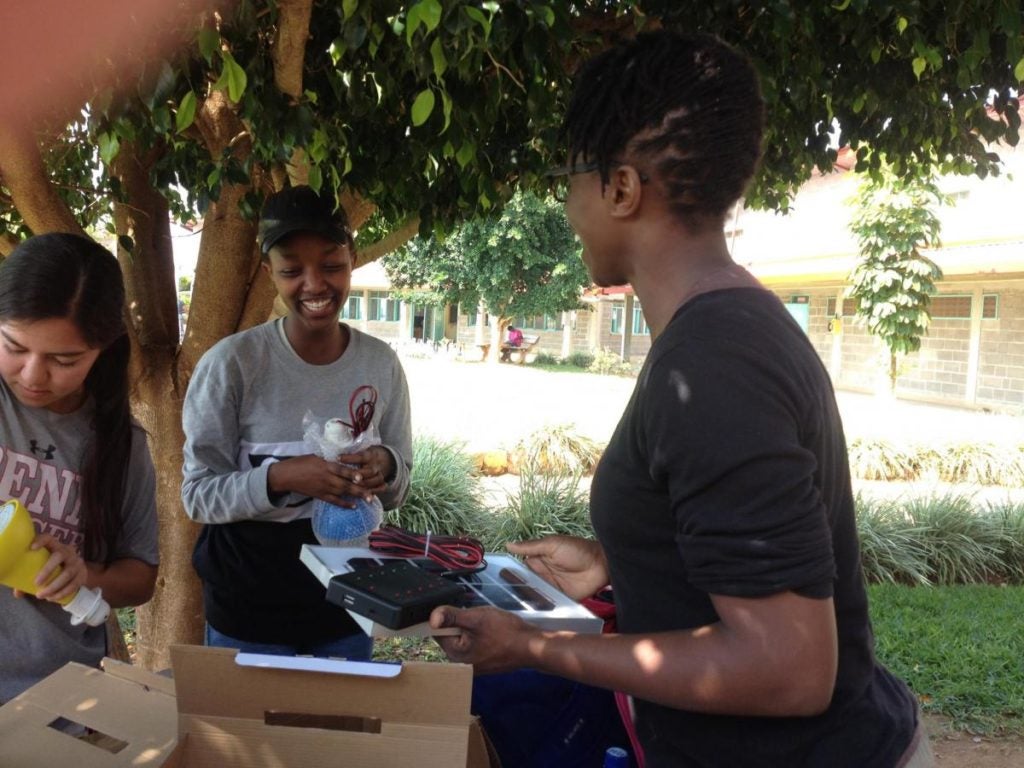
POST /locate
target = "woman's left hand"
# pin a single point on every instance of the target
(72, 569)
(492, 640)
(374, 465)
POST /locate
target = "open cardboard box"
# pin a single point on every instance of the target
(132, 712)
(248, 711)
(278, 712)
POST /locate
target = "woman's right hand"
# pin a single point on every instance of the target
(575, 566)
(312, 476)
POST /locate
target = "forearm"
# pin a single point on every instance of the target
(212, 498)
(124, 582)
(711, 669)
(398, 486)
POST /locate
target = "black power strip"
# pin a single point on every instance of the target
(395, 595)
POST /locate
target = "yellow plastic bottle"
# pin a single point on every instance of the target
(19, 566)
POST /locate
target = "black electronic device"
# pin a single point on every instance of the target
(396, 594)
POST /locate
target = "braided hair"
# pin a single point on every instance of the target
(687, 105)
(68, 276)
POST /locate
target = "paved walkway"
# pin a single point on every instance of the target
(489, 407)
(492, 406)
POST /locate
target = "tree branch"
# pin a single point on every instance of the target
(392, 240)
(32, 192)
(289, 52)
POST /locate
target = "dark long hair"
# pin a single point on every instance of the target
(72, 277)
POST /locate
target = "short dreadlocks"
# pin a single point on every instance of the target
(688, 104)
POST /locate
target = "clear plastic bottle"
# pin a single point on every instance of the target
(616, 757)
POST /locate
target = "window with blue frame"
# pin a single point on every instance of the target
(383, 307)
(539, 323)
(353, 309)
(639, 323)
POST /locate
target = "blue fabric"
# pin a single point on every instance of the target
(357, 647)
(536, 720)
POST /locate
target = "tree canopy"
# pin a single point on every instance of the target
(524, 261)
(893, 281)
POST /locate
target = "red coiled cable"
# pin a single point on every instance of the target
(455, 554)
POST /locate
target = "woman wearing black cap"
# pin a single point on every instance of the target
(249, 475)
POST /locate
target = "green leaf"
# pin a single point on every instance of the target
(109, 146)
(465, 154)
(316, 178)
(430, 13)
(446, 104)
(901, 25)
(186, 114)
(209, 43)
(235, 77)
(412, 21)
(478, 16)
(1018, 71)
(422, 107)
(437, 54)
(349, 7)
(919, 65)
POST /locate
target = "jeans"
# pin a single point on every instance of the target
(357, 647)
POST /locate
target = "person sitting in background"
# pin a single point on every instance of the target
(515, 336)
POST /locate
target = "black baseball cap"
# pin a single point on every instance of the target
(301, 209)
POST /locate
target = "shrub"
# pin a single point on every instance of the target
(978, 464)
(608, 362)
(544, 504)
(1009, 520)
(941, 540)
(558, 449)
(880, 460)
(546, 358)
(889, 548)
(962, 547)
(579, 359)
(444, 496)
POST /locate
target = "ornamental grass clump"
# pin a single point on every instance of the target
(559, 450)
(889, 546)
(444, 495)
(544, 504)
(962, 545)
(880, 460)
(978, 464)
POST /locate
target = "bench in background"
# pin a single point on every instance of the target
(510, 353)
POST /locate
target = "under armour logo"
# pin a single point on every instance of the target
(47, 452)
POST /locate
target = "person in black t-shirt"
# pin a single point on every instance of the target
(722, 506)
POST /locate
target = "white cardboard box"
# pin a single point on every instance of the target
(505, 583)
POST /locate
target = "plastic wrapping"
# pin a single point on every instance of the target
(336, 526)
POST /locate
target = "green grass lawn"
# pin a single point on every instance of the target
(961, 649)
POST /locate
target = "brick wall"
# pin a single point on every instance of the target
(1001, 358)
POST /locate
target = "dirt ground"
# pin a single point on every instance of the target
(501, 404)
(956, 749)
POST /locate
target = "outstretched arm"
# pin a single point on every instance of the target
(767, 656)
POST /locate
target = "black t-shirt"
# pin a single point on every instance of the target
(728, 475)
